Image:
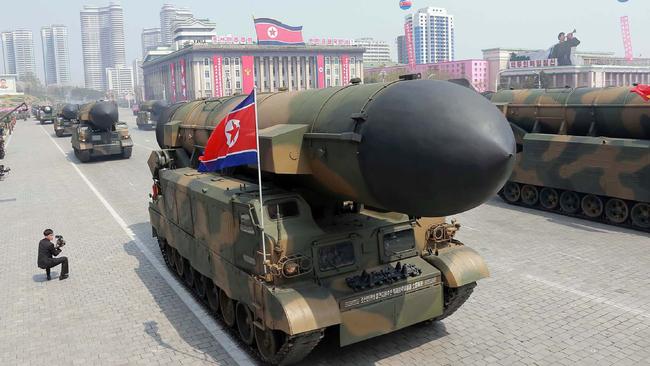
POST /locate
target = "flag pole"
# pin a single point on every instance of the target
(259, 179)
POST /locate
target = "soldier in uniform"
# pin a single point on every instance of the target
(46, 253)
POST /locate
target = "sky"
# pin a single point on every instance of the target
(480, 24)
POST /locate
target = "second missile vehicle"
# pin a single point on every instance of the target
(341, 236)
(149, 113)
(100, 133)
(67, 120)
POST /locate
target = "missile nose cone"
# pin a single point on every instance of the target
(104, 114)
(433, 148)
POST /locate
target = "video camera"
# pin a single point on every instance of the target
(59, 241)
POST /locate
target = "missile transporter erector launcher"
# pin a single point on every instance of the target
(46, 113)
(99, 133)
(67, 120)
(149, 113)
(582, 152)
(348, 173)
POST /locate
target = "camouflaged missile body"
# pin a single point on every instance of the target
(99, 132)
(330, 260)
(582, 152)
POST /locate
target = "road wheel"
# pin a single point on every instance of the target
(227, 307)
(188, 274)
(179, 263)
(592, 206)
(268, 343)
(171, 256)
(245, 324)
(640, 215)
(200, 285)
(511, 192)
(126, 152)
(212, 295)
(59, 133)
(529, 195)
(549, 198)
(616, 211)
(569, 202)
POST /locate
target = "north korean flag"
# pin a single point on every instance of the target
(234, 141)
(271, 32)
(643, 90)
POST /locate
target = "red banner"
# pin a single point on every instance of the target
(248, 79)
(172, 73)
(183, 82)
(410, 51)
(216, 75)
(345, 69)
(320, 63)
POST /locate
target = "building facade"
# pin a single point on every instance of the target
(102, 42)
(433, 33)
(377, 52)
(18, 53)
(120, 81)
(215, 70)
(402, 55)
(56, 57)
(192, 30)
(150, 39)
(168, 15)
(474, 71)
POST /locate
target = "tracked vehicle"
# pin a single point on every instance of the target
(583, 152)
(350, 179)
(67, 120)
(46, 114)
(100, 133)
(149, 113)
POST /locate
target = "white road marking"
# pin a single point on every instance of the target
(594, 298)
(215, 329)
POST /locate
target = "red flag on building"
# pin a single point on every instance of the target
(272, 32)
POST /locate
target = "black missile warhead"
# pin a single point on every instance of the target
(69, 111)
(104, 114)
(433, 148)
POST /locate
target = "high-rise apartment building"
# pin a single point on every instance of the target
(377, 52)
(56, 58)
(18, 53)
(102, 42)
(433, 35)
(168, 15)
(150, 38)
(402, 54)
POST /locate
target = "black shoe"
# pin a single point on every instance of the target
(63, 277)
(48, 277)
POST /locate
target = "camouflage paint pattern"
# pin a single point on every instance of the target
(328, 260)
(591, 142)
(88, 140)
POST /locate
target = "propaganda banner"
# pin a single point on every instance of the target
(345, 69)
(172, 73)
(248, 79)
(183, 81)
(410, 51)
(320, 63)
(217, 72)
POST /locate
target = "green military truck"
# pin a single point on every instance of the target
(341, 236)
(46, 114)
(99, 132)
(149, 113)
(67, 120)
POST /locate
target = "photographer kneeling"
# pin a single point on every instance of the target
(47, 250)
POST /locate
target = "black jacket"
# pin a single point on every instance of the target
(46, 251)
(562, 51)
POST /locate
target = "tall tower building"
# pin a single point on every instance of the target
(102, 42)
(18, 53)
(402, 54)
(168, 15)
(150, 39)
(433, 35)
(8, 56)
(56, 58)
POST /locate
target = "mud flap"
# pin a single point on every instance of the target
(459, 266)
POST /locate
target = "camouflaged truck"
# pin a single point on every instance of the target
(67, 120)
(46, 114)
(149, 113)
(351, 178)
(581, 152)
(100, 133)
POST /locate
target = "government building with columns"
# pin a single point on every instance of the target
(205, 70)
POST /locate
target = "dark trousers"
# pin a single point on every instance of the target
(63, 261)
